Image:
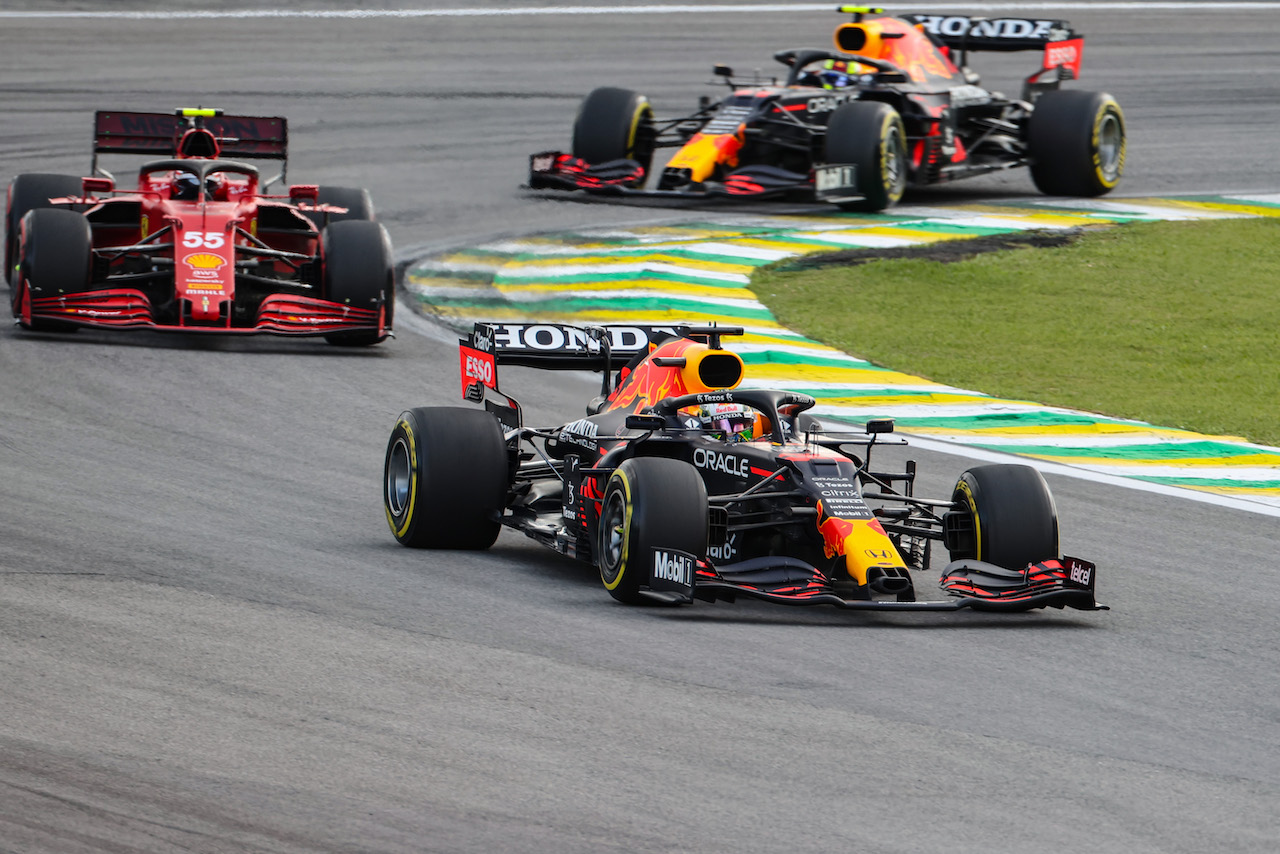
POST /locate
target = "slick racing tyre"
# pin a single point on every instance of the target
(358, 272)
(1076, 141)
(614, 124)
(55, 259)
(26, 193)
(357, 201)
(1015, 521)
(649, 503)
(869, 136)
(445, 478)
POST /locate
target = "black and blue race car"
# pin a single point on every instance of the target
(894, 105)
(679, 485)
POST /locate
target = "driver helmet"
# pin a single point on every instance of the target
(185, 187)
(832, 73)
(215, 187)
(728, 422)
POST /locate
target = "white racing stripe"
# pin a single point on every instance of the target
(1267, 505)
(517, 297)
(1139, 468)
(818, 351)
(689, 245)
(514, 272)
(1083, 440)
(730, 250)
(929, 410)
(921, 387)
(1164, 213)
(856, 240)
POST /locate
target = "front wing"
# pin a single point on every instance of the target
(279, 314)
(558, 171)
(1067, 582)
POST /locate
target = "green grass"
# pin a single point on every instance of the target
(1173, 323)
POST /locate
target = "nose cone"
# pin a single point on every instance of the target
(865, 547)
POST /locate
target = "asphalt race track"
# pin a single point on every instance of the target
(209, 641)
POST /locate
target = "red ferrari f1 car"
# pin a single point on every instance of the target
(895, 105)
(197, 245)
(680, 486)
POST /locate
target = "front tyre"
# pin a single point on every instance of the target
(614, 124)
(869, 136)
(55, 259)
(358, 272)
(649, 503)
(26, 193)
(444, 481)
(1076, 141)
(1015, 521)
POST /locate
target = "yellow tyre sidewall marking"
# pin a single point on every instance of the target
(621, 476)
(963, 488)
(411, 445)
(891, 120)
(1109, 106)
(641, 109)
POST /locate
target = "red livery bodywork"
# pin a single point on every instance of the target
(196, 245)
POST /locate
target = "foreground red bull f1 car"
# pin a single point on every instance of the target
(679, 486)
(895, 105)
(197, 245)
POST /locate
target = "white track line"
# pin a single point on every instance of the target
(1199, 8)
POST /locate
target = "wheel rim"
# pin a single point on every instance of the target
(895, 169)
(1110, 144)
(399, 477)
(613, 535)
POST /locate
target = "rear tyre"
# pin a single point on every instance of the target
(1015, 521)
(869, 136)
(1076, 141)
(55, 259)
(358, 272)
(356, 200)
(445, 478)
(614, 124)
(649, 503)
(26, 193)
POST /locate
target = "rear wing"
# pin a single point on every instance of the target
(561, 347)
(961, 32)
(252, 137)
(1063, 47)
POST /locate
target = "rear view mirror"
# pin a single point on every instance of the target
(880, 425)
(645, 422)
(97, 185)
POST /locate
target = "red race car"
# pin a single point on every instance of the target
(197, 245)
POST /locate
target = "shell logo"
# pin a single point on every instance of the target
(204, 269)
(204, 261)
